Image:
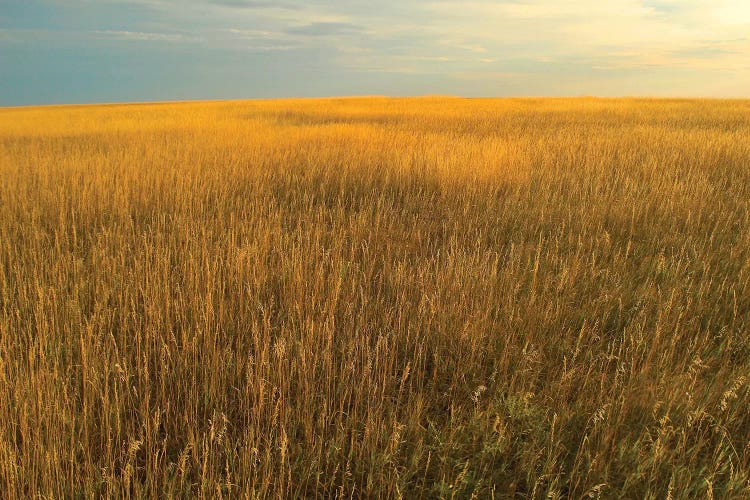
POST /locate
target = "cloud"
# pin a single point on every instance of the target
(140, 36)
(325, 29)
(264, 41)
(254, 4)
(604, 41)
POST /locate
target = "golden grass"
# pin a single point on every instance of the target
(376, 297)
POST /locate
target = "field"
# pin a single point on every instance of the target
(428, 298)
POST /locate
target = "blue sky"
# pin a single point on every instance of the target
(69, 51)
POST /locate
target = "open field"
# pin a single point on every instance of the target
(429, 297)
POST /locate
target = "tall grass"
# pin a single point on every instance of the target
(376, 298)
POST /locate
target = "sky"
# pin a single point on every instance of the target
(80, 51)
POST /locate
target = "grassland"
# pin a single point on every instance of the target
(376, 298)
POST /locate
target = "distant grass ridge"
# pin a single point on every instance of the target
(373, 297)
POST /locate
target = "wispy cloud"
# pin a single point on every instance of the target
(263, 40)
(611, 44)
(255, 4)
(325, 29)
(141, 36)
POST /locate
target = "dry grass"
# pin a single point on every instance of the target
(376, 297)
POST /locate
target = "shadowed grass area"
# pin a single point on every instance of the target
(376, 297)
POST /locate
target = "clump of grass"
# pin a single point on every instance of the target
(376, 297)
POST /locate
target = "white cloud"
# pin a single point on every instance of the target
(581, 39)
(141, 36)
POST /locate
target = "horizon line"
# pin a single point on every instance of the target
(377, 96)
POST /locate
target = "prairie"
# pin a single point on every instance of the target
(374, 297)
